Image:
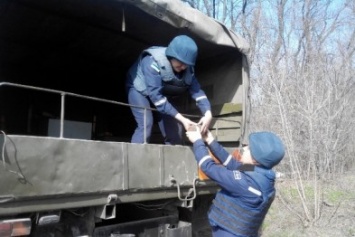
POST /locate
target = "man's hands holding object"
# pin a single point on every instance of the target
(205, 122)
(193, 133)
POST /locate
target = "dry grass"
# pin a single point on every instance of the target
(286, 217)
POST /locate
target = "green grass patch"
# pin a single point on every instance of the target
(336, 196)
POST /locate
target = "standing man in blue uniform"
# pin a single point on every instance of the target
(246, 179)
(159, 74)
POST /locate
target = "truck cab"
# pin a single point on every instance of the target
(67, 165)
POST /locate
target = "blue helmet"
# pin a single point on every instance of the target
(266, 148)
(184, 49)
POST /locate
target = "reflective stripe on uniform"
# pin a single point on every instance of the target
(203, 160)
(227, 161)
(160, 102)
(155, 67)
(255, 191)
(201, 98)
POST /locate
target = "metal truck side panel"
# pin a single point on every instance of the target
(44, 166)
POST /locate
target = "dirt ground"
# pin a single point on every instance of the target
(330, 210)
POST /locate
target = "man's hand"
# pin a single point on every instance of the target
(208, 137)
(205, 122)
(187, 123)
(193, 133)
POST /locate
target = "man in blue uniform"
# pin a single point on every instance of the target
(246, 179)
(159, 74)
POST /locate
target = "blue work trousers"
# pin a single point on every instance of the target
(219, 232)
(170, 128)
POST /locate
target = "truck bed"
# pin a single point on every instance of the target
(36, 171)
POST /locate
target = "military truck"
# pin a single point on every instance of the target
(67, 165)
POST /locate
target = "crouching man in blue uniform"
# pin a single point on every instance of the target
(159, 74)
(246, 194)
